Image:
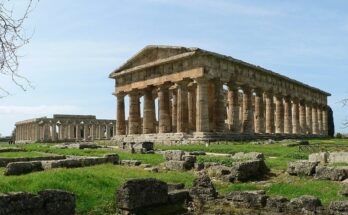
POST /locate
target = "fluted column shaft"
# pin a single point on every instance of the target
(287, 116)
(303, 117)
(202, 106)
(54, 132)
(85, 132)
(174, 110)
(295, 117)
(149, 112)
(320, 119)
(164, 110)
(182, 108)
(325, 121)
(279, 117)
(78, 132)
(247, 123)
(269, 113)
(134, 113)
(192, 107)
(314, 119)
(309, 118)
(233, 108)
(219, 109)
(259, 112)
(120, 118)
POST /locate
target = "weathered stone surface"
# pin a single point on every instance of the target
(176, 155)
(344, 191)
(277, 203)
(145, 147)
(203, 189)
(176, 165)
(199, 166)
(247, 170)
(197, 153)
(53, 202)
(301, 167)
(304, 203)
(247, 199)
(331, 173)
(130, 162)
(112, 158)
(179, 186)
(248, 156)
(5, 161)
(338, 208)
(19, 168)
(140, 193)
(338, 157)
(178, 196)
(321, 157)
(58, 202)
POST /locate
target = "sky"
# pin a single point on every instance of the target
(75, 45)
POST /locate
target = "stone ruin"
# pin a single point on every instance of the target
(52, 202)
(206, 96)
(321, 166)
(143, 147)
(140, 195)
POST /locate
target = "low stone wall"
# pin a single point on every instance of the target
(140, 147)
(53, 202)
(19, 168)
(178, 160)
(329, 157)
(84, 145)
(5, 161)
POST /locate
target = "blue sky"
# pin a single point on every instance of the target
(76, 44)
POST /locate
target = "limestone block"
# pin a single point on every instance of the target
(331, 173)
(178, 196)
(277, 203)
(140, 193)
(338, 208)
(301, 167)
(338, 157)
(176, 155)
(304, 203)
(19, 168)
(321, 157)
(247, 199)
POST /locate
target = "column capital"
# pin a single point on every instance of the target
(183, 83)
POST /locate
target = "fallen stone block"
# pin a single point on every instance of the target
(247, 199)
(338, 157)
(304, 204)
(203, 189)
(176, 155)
(130, 162)
(20, 168)
(5, 161)
(302, 167)
(338, 208)
(248, 170)
(137, 194)
(179, 165)
(277, 203)
(321, 157)
(112, 158)
(58, 202)
(178, 196)
(331, 173)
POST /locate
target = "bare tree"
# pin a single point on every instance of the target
(12, 37)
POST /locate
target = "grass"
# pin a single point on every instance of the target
(94, 186)
(220, 160)
(22, 154)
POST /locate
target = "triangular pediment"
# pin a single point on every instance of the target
(153, 53)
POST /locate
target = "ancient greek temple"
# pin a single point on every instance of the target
(190, 93)
(64, 128)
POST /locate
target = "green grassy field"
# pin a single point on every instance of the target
(95, 186)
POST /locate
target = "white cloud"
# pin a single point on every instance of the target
(41, 109)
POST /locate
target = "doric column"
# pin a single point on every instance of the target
(287, 115)
(46, 132)
(149, 112)
(259, 112)
(202, 110)
(295, 116)
(92, 132)
(85, 131)
(164, 121)
(101, 132)
(174, 110)
(309, 118)
(120, 118)
(314, 119)
(279, 115)
(325, 121)
(302, 117)
(78, 132)
(219, 109)
(320, 119)
(54, 132)
(182, 108)
(134, 113)
(247, 123)
(192, 106)
(233, 108)
(269, 113)
(107, 128)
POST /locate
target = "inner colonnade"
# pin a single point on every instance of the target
(205, 94)
(64, 128)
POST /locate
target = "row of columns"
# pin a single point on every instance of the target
(199, 106)
(56, 131)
